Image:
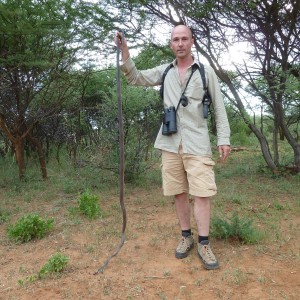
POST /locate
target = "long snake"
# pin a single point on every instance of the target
(121, 162)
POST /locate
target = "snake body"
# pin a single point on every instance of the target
(121, 163)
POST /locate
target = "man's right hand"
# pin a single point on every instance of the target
(122, 44)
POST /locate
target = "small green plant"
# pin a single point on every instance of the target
(29, 227)
(278, 206)
(89, 206)
(237, 228)
(54, 266)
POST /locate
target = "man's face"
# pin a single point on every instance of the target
(181, 41)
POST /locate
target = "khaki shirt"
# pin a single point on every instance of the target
(192, 131)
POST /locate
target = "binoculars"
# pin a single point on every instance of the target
(169, 121)
(206, 103)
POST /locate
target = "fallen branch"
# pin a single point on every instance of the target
(157, 277)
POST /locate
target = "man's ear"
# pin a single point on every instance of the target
(170, 44)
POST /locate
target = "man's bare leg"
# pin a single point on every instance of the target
(202, 215)
(183, 210)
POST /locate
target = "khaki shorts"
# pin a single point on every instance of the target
(187, 173)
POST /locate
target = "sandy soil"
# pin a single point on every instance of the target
(146, 268)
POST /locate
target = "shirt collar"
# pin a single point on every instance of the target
(174, 62)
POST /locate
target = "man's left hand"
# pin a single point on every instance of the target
(224, 151)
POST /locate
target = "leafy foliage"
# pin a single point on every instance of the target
(88, 205)
(240, 132)
(30, 227)
(141, 120)
(55, 264)
(40, 46)
(46, 101)
(153, 55)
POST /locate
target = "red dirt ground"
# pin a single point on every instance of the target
(146, 268)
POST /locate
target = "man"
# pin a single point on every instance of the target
(187, 165)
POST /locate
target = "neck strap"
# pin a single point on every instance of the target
(194, 68)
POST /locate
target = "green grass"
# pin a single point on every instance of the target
(236, 228)
(4, 216)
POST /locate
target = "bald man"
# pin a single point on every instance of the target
(187, 164)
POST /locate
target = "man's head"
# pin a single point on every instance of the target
(182, 41)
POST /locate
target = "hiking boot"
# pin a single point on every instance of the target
(206, 255)
(185, 245)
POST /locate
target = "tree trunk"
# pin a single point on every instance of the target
(41, 155)
(279, 113)
(57, 152)
(18, 145)
(264, 148)
(297, 157)
(275, 144)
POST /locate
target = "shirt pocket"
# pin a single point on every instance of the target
(194, 115)
(195, 89)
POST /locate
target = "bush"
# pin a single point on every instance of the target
(29, 227)
(89, 206)
(240, 229)
(55, 264)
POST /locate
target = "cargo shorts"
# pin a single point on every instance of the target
(188, 173)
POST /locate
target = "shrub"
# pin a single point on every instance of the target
(29, 227)
(54, 265)
(89, 206)
(237, 228)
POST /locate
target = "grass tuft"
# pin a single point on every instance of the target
(240, 229)
(4, 216)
